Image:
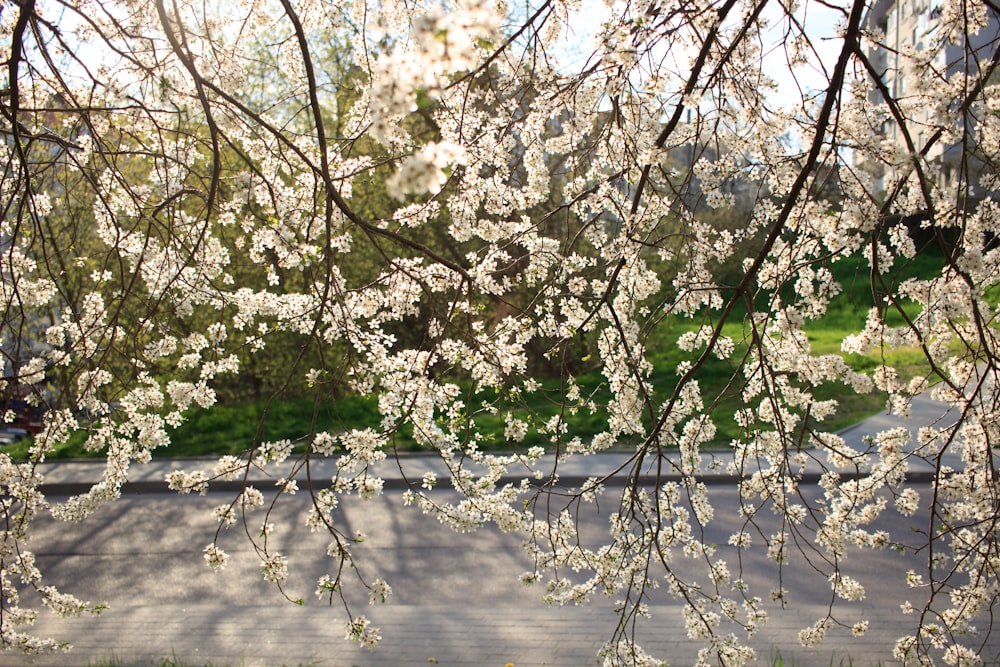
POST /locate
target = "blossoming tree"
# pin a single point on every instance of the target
(185, 184)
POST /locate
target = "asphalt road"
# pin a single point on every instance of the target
(456, 597)
(456, 601)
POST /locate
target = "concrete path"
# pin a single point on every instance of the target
(456, 599)
(165, 604)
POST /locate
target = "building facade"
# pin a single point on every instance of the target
(914, 58)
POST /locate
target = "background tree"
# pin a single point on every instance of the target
(421, 203)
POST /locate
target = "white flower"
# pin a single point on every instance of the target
(424, 171)
(378, 591)
(215, 557)
(275, 568)
(361, 630)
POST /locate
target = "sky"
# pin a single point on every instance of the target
(820, 22)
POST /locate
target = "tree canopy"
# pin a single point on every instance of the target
(455, 206)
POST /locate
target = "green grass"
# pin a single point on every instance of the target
(233, 427)
(229, 429)
(779, 660)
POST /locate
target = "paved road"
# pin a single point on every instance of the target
(456, 602)
(455, 599)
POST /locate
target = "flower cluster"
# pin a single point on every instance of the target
(424, 207)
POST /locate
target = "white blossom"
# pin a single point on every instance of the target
(517, 259)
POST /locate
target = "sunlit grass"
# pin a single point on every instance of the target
(232, 428)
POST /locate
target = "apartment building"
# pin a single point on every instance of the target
(911, 29)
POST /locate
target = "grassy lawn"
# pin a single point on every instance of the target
(230, 428)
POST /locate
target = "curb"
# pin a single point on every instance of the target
(399, 484)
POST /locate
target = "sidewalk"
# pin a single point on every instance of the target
(77, 476)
